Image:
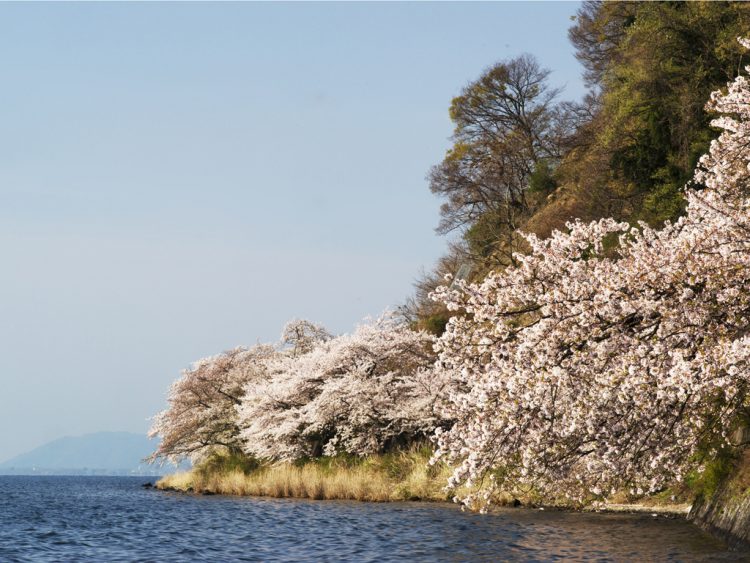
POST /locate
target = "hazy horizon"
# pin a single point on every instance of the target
(179, 179)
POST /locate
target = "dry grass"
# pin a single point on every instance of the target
(390, 477)
(396, 476)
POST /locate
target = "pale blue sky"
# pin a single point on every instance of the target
(178, 179)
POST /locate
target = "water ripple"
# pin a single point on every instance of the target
(114, 519)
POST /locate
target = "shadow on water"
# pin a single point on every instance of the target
(114, 519)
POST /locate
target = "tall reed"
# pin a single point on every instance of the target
(401, 475)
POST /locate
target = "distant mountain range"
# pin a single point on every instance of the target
(101, 453)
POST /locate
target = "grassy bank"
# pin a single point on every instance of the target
(397, 476)
(389, 477)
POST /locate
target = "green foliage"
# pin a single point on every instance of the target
(666, 62)
(716, 470)
(635, 162)
(484, 235)
(331, 463)
(664, 201)
(227, 462)
(398, 464)
(717, 459)
(435, 323)
(542, 180)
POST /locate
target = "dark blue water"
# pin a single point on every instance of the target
(114, 519)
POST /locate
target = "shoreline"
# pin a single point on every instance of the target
(677, 511)
(290, 484)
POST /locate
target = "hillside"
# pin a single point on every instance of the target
(100, 453)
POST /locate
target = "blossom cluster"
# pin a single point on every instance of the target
(613, 356)
(359, 393)
(311, 394)
(201, 413)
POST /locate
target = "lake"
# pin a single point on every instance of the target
(115, 519)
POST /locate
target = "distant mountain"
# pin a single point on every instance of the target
(101, 453)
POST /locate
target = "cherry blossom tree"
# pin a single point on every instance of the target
(612, 355)
(201, 415)
(360, 393)
(301, 336)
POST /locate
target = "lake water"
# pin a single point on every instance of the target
(115, 519)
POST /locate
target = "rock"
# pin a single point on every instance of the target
(726, 512)
(148, 485)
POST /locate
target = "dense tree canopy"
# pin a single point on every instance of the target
(669, 57)
(308, 395)
(587, 371)
(625, 151)
(359, 393)
(201, 415)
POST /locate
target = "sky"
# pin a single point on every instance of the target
(180, 179)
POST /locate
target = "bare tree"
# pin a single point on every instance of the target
(507, 121)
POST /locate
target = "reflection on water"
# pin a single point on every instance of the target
(114, 519)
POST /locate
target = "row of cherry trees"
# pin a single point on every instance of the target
(309, 395)
(610, 357)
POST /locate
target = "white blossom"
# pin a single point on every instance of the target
(359, 393)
